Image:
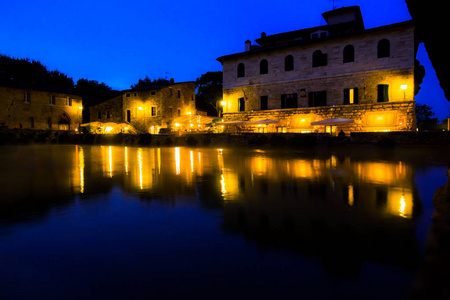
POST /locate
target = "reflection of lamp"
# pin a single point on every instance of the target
(404, 87)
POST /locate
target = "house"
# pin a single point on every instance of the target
(148, 109)
(33, 106)
(338, 76)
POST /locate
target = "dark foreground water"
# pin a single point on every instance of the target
(100, 222)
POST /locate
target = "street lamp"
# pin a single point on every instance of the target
(404, 87)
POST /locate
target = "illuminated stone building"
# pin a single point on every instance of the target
(364, 78)
(147, 109)
(39, 107)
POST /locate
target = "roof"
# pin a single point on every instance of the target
(38, 87)
(156, 86)
(302, 37)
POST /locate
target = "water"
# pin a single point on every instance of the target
(101, 222)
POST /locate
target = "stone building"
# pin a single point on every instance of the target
(338, 76)
(31, 106)
(148, 109)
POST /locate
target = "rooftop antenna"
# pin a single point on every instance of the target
(335, 4)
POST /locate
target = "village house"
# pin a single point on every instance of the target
(146, 110)
(338, 76)
(32, 106)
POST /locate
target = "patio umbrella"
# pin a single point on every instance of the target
(266, 121)
(332, 122)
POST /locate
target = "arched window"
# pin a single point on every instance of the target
(241, 70)
(349, 54)
(263, 67)
(289, 63)
(319, 59)
(384, 48)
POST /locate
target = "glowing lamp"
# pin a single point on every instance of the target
(404, 86)
(108, 129)
(223, 103)
(80, 107)
(140, 108)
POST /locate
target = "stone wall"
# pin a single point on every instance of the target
(401, 114)
(37, 111)
(289, 140)
(148, 109)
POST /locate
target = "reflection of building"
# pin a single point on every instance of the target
(39, 107)
(324, 206)
(335, 71)
(148, 109)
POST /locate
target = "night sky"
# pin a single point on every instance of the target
(117, 41)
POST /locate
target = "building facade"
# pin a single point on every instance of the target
(364, 78)
(148, 109)
(39, 107)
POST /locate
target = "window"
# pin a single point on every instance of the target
(241, 104)
(26, 97)
(68, 101)
(153, 111)
(349, 54)
(289, 63)
(317, 98)
(241, 70)
(179, 94)
(31, 122)
(128, 116)
(351, 96)
(289, 101)
(179, 112)
(383, 93)
(153, 93)
(263, 67)
(99, 115)
(49, 123)
(127, 95)
(107, 114)
(384, 48)
(264, 103)
(319, 59)
(52, 100)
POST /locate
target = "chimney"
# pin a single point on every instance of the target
(248, 45)
(171, 80)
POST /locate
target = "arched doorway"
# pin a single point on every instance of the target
(64, 122)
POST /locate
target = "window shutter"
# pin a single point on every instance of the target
(346, 97)
(283, 101)
(355, 95)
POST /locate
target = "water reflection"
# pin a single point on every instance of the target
(331, 204)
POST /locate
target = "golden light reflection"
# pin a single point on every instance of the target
(351, 199)
(158, 157)
(81, 167)
(141, 178)
(126, 160)
(110, 172)
(191, 156)
(400, 202)
(177, 161)
(222, 185)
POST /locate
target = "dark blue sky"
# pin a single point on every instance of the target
(118, 41)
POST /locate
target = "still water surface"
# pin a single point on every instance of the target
(99, 222)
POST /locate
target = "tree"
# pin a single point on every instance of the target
(93, 93)
(147, 82)
(424, 118)
(209, 92)
(32, 72)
